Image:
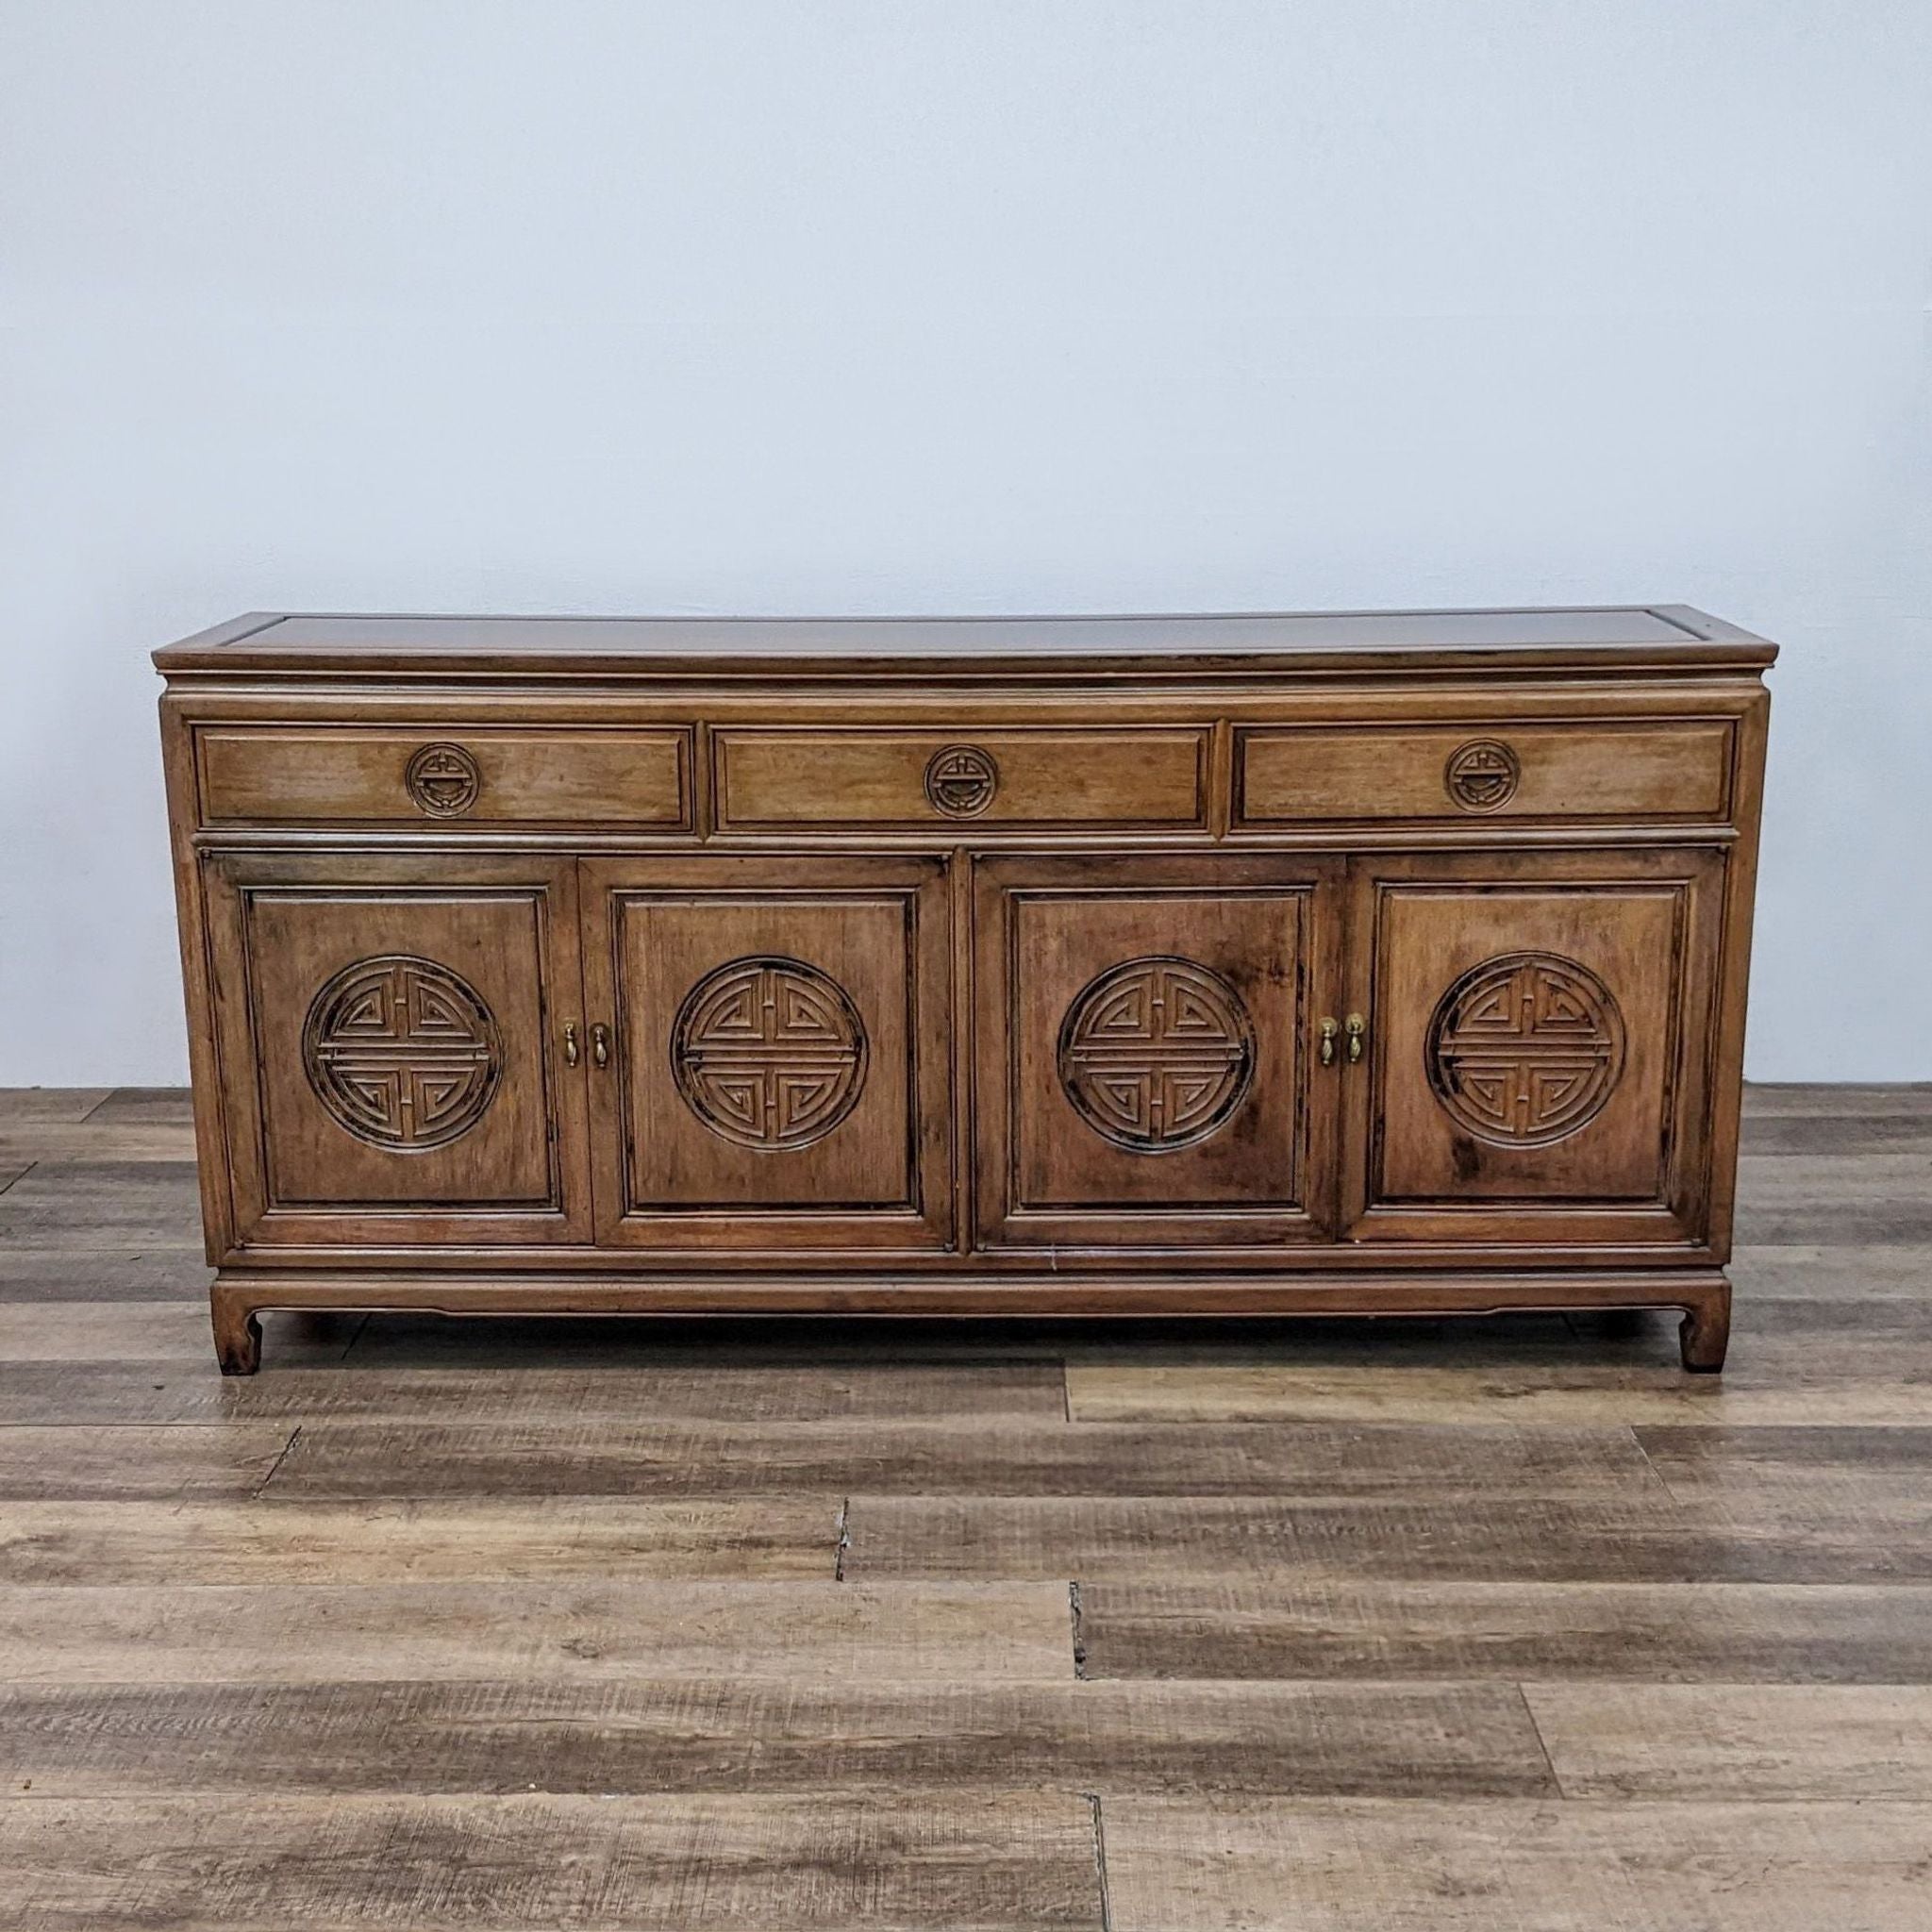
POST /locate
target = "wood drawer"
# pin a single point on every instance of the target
(431, 776)
(1661, 769)
(1004, 777)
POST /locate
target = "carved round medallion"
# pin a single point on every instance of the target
(960, 780)
(443, 779)
(1526, 1049)
(1482, 776)
(768, 1053)
(1156, 1053)
(402, 1052)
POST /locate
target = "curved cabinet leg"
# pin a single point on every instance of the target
(238, 1334)
(1706, 1332)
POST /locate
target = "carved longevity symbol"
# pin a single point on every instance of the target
(1482, 776)
(768, 1053)
(960, 780)
(1526, 1049)
(443, 779)
(402, 1052)
(1156, 1053)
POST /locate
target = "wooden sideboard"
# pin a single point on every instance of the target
(1223, 965)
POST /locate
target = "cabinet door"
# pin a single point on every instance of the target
(1537, 1067)
(1147, 1078)
(776, 1079)
(390, 1046)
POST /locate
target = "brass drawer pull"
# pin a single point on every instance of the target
(443, 779)
(1483, 775)
(1329, 1029)
(600, 1044)
(570, 1043)
(1358, 1029)
(960, 780)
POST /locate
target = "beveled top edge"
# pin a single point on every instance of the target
(1661, 636)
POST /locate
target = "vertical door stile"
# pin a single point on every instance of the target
(1359, 1121)
(960, 1018)
(1326, 971)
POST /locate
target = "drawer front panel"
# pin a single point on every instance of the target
(1666, 769)
(918, 780)
(430, 777)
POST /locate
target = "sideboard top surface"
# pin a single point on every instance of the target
(1657, 638)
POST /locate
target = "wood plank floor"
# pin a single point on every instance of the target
(1162, 1628)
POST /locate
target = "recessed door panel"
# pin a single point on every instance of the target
(390, 1064)
(1147, 1075)
(775, 1076)
(1536, 1068)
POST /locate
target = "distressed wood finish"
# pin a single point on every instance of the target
(631, 1383)
(1282, 964)
(599, 1729)
(1348, 1865)
(1769, 1742)
(570, 1622)
(91, 1545)
(1004, 1863)
(1291, 1627)
(566, 1631)
(1024, 1458)
(1009, 1539)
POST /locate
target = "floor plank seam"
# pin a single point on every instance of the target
(275, 1467)
(1080, 1636)
(1100, 1861)
(1542, 1743)
(1655, 1475)
(362, 1329)
(844, 1539)
(33, 1164)
(1663, 1481)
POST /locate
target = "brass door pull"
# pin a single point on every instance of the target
(600, 1044)
(1329, 1029)
(570, 1043)
(1358, 1029)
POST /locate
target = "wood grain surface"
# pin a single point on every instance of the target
(1154, 1628)
(821, 1630)
(514, 950)
(1003, 1863)
(1440, 1866)
(750, 1732)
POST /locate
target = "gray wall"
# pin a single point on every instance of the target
(1049, 305)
